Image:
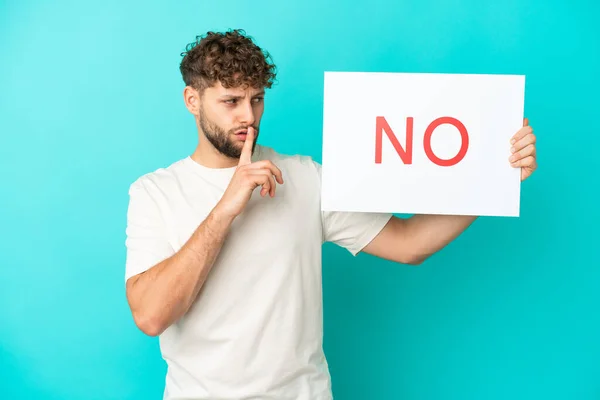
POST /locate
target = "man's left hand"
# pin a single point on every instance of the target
(523, 151)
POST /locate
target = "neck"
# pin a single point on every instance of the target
(207, 156)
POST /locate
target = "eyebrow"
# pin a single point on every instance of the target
(232, 96)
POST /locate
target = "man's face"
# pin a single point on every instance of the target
(225, 115)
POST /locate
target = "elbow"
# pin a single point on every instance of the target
(148, 324)
(147, 318)
(413, 259)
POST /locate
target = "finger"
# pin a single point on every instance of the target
(525, 121)
(255, 178)
(529, 150)
(271, 187)
(521, 133)
(265, 184)
(525, 162)
(264, 178)
(246, 156)
(523, 142)
(267, 164)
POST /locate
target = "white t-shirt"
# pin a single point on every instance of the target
(255, 330)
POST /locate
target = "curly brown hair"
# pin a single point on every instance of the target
(231, 58)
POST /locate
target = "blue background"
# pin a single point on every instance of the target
(90, 98)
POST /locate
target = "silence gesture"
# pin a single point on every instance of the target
(247, 177)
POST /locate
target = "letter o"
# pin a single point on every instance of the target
(463, 148)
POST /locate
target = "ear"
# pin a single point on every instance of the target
(192, 99)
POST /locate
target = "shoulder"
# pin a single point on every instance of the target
(161, 180)
(293, 163)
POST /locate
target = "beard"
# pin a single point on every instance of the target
(224, 141)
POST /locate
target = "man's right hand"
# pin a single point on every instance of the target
(247, 177)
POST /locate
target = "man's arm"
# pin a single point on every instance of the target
(162, 294)
(413, 240)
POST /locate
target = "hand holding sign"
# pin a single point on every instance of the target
(523, 150)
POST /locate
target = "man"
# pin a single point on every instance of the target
(230, 276)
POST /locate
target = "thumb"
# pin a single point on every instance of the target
(525, 122)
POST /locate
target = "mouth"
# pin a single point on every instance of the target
(241, 134)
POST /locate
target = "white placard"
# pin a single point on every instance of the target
(458, 162)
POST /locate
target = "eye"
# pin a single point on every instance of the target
(230, 101)
(258, 99)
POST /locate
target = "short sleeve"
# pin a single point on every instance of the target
(351, 230)
(145, 242)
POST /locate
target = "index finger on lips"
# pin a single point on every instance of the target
(246, 156)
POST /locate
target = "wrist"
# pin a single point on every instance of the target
(221, 216)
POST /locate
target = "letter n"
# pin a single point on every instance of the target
(382, 125)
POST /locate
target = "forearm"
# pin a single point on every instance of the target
(161, 295)
(430, 233)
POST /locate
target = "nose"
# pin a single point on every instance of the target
(247, 114)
